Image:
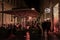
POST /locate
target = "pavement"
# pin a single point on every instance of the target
(51, 36)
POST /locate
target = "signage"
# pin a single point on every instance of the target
(47, 10)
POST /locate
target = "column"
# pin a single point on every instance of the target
(2, 10)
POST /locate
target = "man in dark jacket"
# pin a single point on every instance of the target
(46, 26)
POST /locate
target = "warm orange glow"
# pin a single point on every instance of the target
(29, 18)
(27, 36)
(56, 17)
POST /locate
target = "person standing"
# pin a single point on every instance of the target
(46, 27)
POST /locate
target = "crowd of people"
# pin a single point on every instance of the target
(18, 32)
(35, 31)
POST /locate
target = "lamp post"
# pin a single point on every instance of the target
(2, 4)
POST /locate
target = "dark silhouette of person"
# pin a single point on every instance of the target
(46, 27)
(35, 32)
(39, 31)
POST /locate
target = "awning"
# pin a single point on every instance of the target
(22, 12)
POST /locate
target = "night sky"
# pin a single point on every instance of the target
(33, 4)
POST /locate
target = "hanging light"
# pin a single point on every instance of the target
(32, 8)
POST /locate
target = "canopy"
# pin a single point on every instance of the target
(22, 12)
